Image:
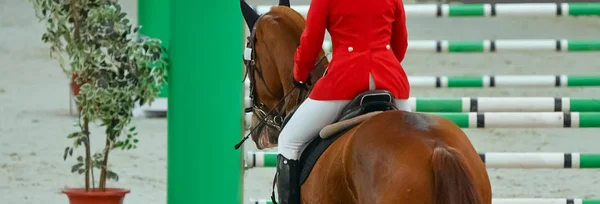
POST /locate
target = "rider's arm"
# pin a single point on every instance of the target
(311, 41)
(399, 33)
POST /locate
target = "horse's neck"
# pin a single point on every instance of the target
(286, 77)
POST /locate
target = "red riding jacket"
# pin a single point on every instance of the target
(368, 36)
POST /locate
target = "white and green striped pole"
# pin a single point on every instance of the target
(499, 45)
(486, 81)
(499, 160)
(498, 104)
(502, 81)
(499, 81)
(505, 104)
(503, 10)
(524, 119)
(484, 10)
(514, 119)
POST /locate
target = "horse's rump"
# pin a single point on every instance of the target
(401, 157)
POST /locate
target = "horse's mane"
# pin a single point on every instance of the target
(289, 18)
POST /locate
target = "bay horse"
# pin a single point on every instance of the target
(389, 157)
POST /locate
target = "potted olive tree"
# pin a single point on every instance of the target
(112, 69)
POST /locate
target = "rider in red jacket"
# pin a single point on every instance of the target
(369, 41)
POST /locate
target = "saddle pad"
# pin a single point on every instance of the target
(313, 151)
(318, 145)
(331, 129)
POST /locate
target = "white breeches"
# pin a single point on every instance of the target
(308, 120)
(310, 117)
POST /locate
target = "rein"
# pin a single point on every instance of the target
(266, 118)
(237, 146)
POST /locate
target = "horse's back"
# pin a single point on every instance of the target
(388, 159)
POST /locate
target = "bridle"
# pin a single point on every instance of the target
(258, 107)
(267, 117)
(271, 118)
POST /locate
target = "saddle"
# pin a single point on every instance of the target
(364, 105)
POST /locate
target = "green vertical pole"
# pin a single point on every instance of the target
(154, 17)
(205, 103)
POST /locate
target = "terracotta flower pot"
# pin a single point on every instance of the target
(110, 196)
(75, 87)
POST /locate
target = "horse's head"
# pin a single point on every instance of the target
(269, 67)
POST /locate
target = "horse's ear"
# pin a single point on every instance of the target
(249, 14)
(284, 3)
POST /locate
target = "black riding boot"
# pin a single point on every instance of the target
(288, 184)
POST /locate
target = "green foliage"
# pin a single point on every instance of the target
(117, 66)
